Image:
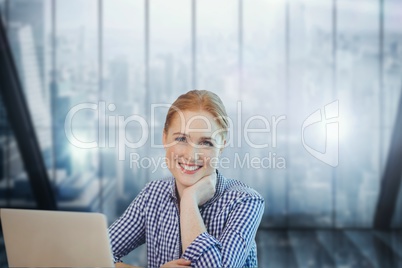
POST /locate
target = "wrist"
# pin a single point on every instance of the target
(188, 198)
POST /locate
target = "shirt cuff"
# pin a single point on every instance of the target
(116, 259)
(203, 243)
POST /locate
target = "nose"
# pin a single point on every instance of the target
(191, 153)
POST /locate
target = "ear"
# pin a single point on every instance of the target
(223, 147)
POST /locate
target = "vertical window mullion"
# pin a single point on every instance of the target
(100, 90)
(194, 43)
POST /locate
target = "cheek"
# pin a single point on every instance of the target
(211, 157)
(210, 153)
(173, 151)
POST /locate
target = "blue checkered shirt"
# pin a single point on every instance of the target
(231, 217)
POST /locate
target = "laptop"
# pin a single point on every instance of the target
(35, 238)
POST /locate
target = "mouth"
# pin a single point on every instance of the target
(189, 168)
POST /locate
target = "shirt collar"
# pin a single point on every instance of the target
(173, 191)
(220, 187)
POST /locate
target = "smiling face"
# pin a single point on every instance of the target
(192, 140)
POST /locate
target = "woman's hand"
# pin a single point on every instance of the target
(202, 190)
(177, 263)
(123, 265)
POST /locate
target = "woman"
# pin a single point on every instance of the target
(198, 217)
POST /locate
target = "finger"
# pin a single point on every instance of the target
(177, 263)
(211, 175)
(183, 262)
(213, 178)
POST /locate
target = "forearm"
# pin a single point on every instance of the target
(128, 232)
(232, 247)
(191, 223)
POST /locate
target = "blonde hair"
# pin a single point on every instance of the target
(196, 100)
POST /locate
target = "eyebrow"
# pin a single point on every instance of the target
(202, 138)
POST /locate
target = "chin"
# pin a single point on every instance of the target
(187, 179)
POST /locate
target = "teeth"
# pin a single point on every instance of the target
(189, 168)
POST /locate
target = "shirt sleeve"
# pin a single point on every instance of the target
(233, 246)
(128, 232)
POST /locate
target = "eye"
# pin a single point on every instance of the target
(207, 143)
(180, 139)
